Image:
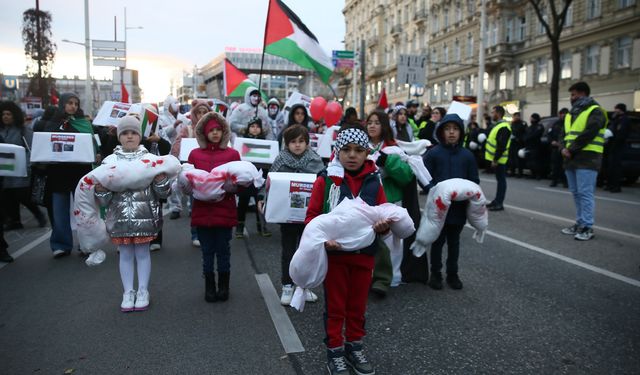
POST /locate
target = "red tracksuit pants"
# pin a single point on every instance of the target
(346, 289)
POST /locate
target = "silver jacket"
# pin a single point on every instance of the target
(133, 213)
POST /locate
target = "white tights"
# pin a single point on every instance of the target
(139, 252)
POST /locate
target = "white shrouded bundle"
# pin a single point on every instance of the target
(418, 147)
(118, 176)
(212, 186)
(351, 224)
(437, 206)
(414, 161)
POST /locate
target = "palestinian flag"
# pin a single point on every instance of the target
(149, 119)
(236, 82)
(252, 150)
(286, 36)
(7, 161)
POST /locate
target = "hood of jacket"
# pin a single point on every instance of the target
(64, 98)
(446, 119)
(306, 120)
(203, 142)
(248, 92)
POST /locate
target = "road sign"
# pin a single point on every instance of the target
(106, 62)
(107, 44)
(411, 69)
(108, 53)
(343, 60)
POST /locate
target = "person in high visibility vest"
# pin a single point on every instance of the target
(583, 136)
(412, 111)
(497, 152)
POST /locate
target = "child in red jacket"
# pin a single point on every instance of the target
(214, 220)
(348, 278)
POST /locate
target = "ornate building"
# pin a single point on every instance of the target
(599, 44)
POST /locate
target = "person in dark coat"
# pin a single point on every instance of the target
(445, 161)
(533, 144)
(557, 172)
(518, 130)
(619, 128)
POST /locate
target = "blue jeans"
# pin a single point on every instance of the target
(582, 184)
(61, 235)
(501, 178)
(214, 241)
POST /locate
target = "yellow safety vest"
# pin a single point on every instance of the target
(573, 130)
(492, 142)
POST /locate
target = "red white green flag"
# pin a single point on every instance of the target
(149, 119)
(235, 81)
(286, 36)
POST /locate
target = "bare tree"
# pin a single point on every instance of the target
(553, 20)
(39, 49)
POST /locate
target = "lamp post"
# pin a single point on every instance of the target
(416, 90)
(88, 95)
(125, 45)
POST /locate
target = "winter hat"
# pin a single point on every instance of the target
(535, 116)
(352, 135)
(129, 123)
(255, 120)
(197, 103)
(171, 102)
(210, 125)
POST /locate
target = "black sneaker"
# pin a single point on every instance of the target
(357, 360)
(435, 281)
(337, 363)
(240, 230)
(454, 281)
(585, 234)
(572, 230)
(496, 207)
(174, 215)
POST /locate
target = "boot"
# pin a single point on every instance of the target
(5, 257)
(210, 287)
(240, 230)
(223, 286)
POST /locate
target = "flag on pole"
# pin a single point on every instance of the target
(124, 92)
(149, 119)
(286, 36)
(382, 102)
(236, 82)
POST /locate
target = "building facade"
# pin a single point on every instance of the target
(600, 44)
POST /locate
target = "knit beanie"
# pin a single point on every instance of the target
(129, 123)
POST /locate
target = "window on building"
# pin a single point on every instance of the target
(456, 51)
(434, 57)
(508, 28)
(568, 20)
(522, 76)
(541, 67)
(493, 37)
(625, 3)
(445, 14)
(623, 52)
(457, 89)
(471, 7)
(591, 59)
(434, 24)
(545, 17)
(393, 85)
(522, 28)
(472, 83)
(593, 9)
(435, 93)
(458, 12)
(446, 93)
(445, 53)
(502, 80)
(485, 82)
(565, 65)
(469, 45)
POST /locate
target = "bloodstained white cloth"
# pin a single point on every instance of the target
(212, 186)
(436, 208)
(414, 161)
(117, 176)
(351, 225)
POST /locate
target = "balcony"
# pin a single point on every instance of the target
(376, 71)
(372, 41)
(396, 30)
(420, 16)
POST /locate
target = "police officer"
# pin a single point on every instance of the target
(497, 152)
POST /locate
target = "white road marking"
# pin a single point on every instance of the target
(28, 247)
(572, 221)
(287, 333)
(596, 196)
(563, 258)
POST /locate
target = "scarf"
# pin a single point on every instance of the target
(581, 104)
(294, 162)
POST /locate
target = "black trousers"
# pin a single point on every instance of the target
(243, 203)
(557, 172)
(614, 168)
(12, 199)
(451, 235)
(290, 235)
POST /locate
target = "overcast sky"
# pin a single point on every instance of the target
(175, 35)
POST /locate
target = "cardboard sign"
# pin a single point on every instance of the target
(256, 150)
(288, 196)
(13, 160)
(111, 112)
(186, 146)
(326, 141)
(460, 109)
(62, 148)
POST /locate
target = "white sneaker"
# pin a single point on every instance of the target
(154, 247)
(59, 253)
(287, 295)
(310, 296)
(128, 301)
(142, 300)
(196, 243)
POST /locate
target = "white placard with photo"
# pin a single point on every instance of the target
(288, 196)
(62, 148)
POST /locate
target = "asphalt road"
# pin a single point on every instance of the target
(534, 302)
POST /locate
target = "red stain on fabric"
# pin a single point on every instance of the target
(440, 204)
(454, 195)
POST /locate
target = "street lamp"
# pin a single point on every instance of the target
(416, 90)
(88, 97)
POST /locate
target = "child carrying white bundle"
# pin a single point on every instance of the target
(352, 222)
(210, 186)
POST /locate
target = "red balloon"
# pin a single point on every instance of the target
(317, 107)
(332, 113)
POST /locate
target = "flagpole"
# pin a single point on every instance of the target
(264, 44)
